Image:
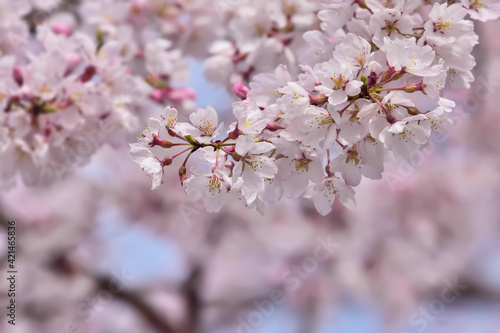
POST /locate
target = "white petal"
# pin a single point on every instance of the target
(345, 194)
(262, 147)
(252, 180)
(323, 202)
(353, 87)
(337, 97)
(157, 178)
(139, 152)
(154, 125)
(244, 144)
(151, 165)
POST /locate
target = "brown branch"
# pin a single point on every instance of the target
(156, 320)
(63, 265)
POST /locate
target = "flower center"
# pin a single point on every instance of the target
(322, 120)
(206, 128)
(213, 184)
(477, 4)
(171, 119)
(338, 80)
(301, 164)
(442, 26)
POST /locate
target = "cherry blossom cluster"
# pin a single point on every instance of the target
(76, 78)
(60, 100)
(371, 89)
(14, 16)
(258, 36)
(11, 22)
(189, 25)
(156, 36)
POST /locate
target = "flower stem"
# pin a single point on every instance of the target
(182, 152)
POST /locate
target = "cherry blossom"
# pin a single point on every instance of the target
(327, 91)
(213, 187)
(316, 129)
(204, 124)
(150, 164)
(337, 82)
(482, 10)
(331, 189)
(252, 167)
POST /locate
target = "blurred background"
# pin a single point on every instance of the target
(100, 252)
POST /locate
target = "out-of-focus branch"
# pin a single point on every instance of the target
(309, 316)
(135, 301)
(480, 292)
(191, 292)
(4, 222)
(65, 266)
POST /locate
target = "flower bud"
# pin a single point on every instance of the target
(171, 133)
(17, 75)
(157, 95)
(234, 134)
(61, 29)
(273, 127)
(413, 111)
(230, 149)
(89, 73)
(181, 94)
(240, 90)
(411, 88)
(166, 144)
(399, 74)
(167, 161)
(391, 119)
(386, 76)
(237, 157)
(318, 99)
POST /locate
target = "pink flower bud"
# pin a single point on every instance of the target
(166, 144)
(61, 29)
(240, 90)
(411, 87)
(167, 161)
(89, 73)
(73, 59)
(237, 157)
(273, 127)
(157, 95)
(17, 75)
(386, 76)
(180, 95)
(234, 134)
(230, 149)
(391, 119)
(318, 99)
